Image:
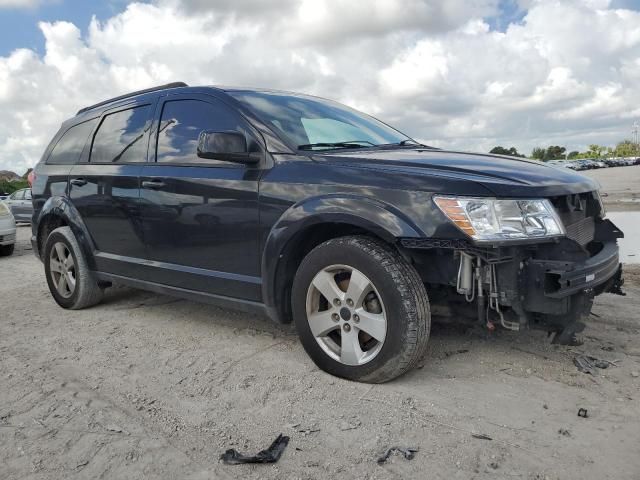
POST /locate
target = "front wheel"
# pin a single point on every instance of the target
(7, 250)
(360, 309)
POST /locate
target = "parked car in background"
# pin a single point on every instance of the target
(19, 202)
(7, 231)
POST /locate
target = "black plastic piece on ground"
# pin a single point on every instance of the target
(587, 364)
(583, 413)
(408, 452)
(270, 455)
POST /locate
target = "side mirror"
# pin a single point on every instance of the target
(226, 146)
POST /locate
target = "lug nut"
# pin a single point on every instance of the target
(346, 327)
(356, 317)
(335, 317)
(337, 302)
(349, 302)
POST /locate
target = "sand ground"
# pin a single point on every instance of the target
(149, 386)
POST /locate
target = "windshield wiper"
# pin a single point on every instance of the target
(348, 144)
(404, 143)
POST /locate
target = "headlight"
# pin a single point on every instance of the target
(4, 210)
(489, 219)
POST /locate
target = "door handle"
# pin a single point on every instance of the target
(78, 182)
(153, 184)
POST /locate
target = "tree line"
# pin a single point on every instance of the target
(626, 148)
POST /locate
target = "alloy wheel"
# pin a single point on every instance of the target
(62, 269)
(346, 315)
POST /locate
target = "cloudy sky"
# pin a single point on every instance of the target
(467, 74)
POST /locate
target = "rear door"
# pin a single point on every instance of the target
(26, 207)
(200, 217)
(105, 189)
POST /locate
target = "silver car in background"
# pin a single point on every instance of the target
(7, 231)
(19, 202)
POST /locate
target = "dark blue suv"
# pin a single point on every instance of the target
(307, 210)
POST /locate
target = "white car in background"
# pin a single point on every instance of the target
(7, 231)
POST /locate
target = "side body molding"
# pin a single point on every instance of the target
(367, 213)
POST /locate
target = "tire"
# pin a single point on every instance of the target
(7, 250)
(395, 291)
(82, 287)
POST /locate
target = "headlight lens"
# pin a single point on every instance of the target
(489, 219)
(4, 210)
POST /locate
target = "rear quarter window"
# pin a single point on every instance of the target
(69, 148)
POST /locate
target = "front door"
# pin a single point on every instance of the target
(199, 216)
(105, 190)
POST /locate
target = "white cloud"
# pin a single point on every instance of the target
(19, 3)
(567, 73)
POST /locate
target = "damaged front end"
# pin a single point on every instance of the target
(548, 284)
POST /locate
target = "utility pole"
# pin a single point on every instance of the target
(636, 129)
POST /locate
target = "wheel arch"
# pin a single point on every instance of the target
(308, 224)
(59, 212)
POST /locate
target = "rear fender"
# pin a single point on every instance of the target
(64, 209)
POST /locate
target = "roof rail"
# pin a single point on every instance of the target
(133, 94)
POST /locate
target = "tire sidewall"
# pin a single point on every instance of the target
(55, 237)
(397, 322)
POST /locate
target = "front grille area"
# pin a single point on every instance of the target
(578, 213)
(582, 231)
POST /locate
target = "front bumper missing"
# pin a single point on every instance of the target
(562, 279)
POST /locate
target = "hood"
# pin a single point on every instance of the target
(503, 176)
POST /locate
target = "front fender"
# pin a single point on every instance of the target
(63, 208)
(372, 215)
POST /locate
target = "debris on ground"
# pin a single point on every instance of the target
(408, 452)
(565, 432)
(349, 426)
(481, 436)
(114, 428)
(635, 374)
(588, 364)
(270, 455)
(583, 413)
(456, 352)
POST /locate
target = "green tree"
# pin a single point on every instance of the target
(573, 154)
(10, 187)
(538, 153)
(555, 152)
(513, 152)
(626, 148)
(596, 151)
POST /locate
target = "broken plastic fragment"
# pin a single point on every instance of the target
(270, 455)
(408, 452)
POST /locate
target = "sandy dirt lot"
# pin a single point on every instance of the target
(148, 386)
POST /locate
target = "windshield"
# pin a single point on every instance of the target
(318, 124)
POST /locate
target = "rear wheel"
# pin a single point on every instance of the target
(6, 250)
(360, 309)
(70, 281)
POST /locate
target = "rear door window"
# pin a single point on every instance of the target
(122, 137)
(19, 195)
(69, 148)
